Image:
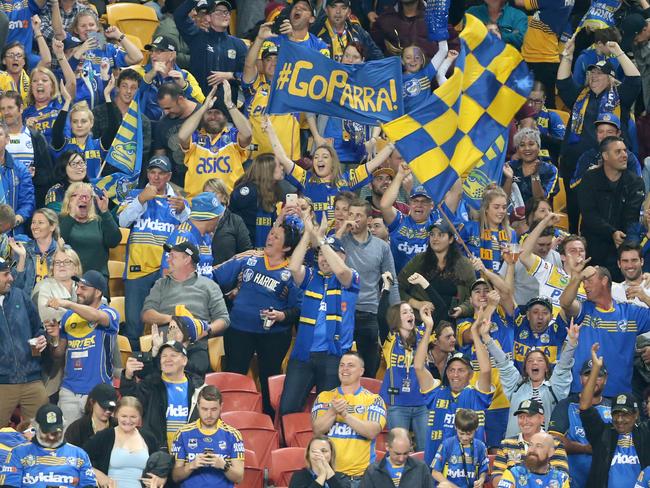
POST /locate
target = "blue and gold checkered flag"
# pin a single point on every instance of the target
(449, 134)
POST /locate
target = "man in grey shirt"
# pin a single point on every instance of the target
(371, 257)
(183, 286)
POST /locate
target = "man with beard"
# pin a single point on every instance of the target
(208, 452)
(214, 150)
(620, 449)
(86, 337)
(536, 469)
(48, 460)
(631, 289)
(382, 177)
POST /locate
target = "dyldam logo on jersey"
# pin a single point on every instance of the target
(51, 477)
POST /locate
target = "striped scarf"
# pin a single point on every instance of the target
(608, 102)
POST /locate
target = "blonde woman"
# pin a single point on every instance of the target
(91, 233)
(320, 460)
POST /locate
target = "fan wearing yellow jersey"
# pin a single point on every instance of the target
(214, 150)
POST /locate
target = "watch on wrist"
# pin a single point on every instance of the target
(122, 37)
(322, 242)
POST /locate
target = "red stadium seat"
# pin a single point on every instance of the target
(297, 429)
(379, 455)
(418, 455)
(371, 384)
(253, 472)
(239, 391)
(380, 440)
(258, 433)
(285, 462)
(230, 381)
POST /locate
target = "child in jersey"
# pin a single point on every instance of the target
(418, 75)
(322, 183)
(81, 122)
(462, 459)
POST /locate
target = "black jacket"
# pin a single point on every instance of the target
(607, 207)
(354, 32)
(79, 431)
(43, 167)
(416, 475)
(603, 438)
(304, 479)
(231, 237)
(152, 393)
(100, 446)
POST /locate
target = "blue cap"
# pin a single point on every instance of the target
(195, 327)
(160, 162)
(206, 206)
(608, 118)
(94, 279)
(71, 41)
(420, 191)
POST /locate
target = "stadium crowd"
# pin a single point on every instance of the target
(434, 343)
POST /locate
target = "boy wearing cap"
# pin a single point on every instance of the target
(198, 230)
(162, 68)
(153, 214)
(48, 460)
(620, 449)
(86, 339)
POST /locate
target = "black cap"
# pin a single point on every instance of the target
(625, 403)
(105, 395)
(480, 281)
(531, 406)
(93, 279)
(176, 346)
(442, 226)
(162, 43)
(604, 66)
(587, 367)
(459, 356)
(540, 301)
(160, 162)
(5, 265)
(308, 2)
(331, 3)
(630, 27)
(269, 49)
(185, 247)
(210, 5)
(49, 419)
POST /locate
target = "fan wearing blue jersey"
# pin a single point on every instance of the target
(643, 481)
(419, 75)
(443, 401)
(85, 338)
(614, 325)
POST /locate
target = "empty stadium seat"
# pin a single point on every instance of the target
(257, 431)
(125, 347)
(133, 19)
(119, 253)
(379, 455)
(380, 440)
(285, 462)
(297, 429)
(239, 391)
(115, 278)
(371, 384)
(118, 304)
(253, 472)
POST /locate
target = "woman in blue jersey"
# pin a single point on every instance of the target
(81, 124)
(418, 74)
(400, 388)
(488, 237)
(255, 195)
(326, 179)
(44, 102)
(70, 168)
(266, 305)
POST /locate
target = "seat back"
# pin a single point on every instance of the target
(371, 384)
(239, 391)
(380, 440)
(285, 462)
(230, 381)
(119, 253)
(133, 19)
(146, 343)
(125, 347)
(253, 472)
(216, 352)
(297, 429)
(257, 431)
(115, 278)
(118, 304)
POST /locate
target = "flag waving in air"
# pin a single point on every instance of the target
(446, 137)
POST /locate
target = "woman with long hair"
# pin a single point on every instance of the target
(255, 196)
(440, 276)
(98, 415)
(70, 168)
(320, 460)
(87, 232)
(400, 388)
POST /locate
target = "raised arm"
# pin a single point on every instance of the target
(526, 256)
(425, 378)
(250, 63)
(587, 395)
(568, 298)
(190, 124)
(342, 271)
(244, 129)
(296, 262)
(133, 54)
(43, 50)
(564, 70)
(380, 158)
(68, 73)
(484, 382)
(504, 285)
(278, 150)
(388, 212)
(628, 67)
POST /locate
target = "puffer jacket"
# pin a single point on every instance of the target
(19, 188)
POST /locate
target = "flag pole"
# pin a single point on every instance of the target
(454, 231)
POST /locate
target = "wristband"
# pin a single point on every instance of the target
(122, 37)
(535, 178)
(231, 106)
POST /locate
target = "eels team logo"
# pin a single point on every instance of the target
(124, 152)
(474, 185)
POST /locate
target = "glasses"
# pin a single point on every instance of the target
(77, 164)
(15, 55)
(82, 196)
(222, 13)
(66, 262)
(535, 101)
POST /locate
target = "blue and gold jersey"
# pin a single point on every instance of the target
(462, 465)
(178, 408)
(66, 466)
(89, 352)
(193, 439)
(615, 330)
(512, 452)
(408, 238)
(187, 231)
(643, 481)
(625, 467)
(322, 193)
(395, 472)
(550, 340)
(9, 439)
(43, 118)
(92, 151)
(550, 124)
(19, 13)
(354, 452)
(442, 404)
(417, 87)
(520, 477)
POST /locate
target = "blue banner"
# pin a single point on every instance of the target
(307, 81)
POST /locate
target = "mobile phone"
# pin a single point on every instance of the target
(146, 359)
(208, 450)
(453, 304)
(98, 191)
(292, 199)
(277, 23)
(101, 39)
(143, 357)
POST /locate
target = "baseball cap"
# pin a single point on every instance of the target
(71, 41)
(604, 66)
(93, 279)
(184, 247)
(625, 403)
(206, 206)
(161, 162)
(269, 49)
(49, 418)
(540, 301)
(5, 264)
(480, 281)
(588, 365)
(531, 406)
(331, 3)
(420, 191)
(105, 395)
(335, 243)
(608, 118)
(442, 226)
(384, 170)
(210, 5)
(630, 27)
(459, 356)
(308, 2)
(176, 346)
(162, 43)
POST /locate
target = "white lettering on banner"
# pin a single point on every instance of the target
(155, 225)
(266, 282)
(624, 459)
(51, 477)
(177, 411)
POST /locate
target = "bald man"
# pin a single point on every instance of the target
(397, 468)
(537, 469)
